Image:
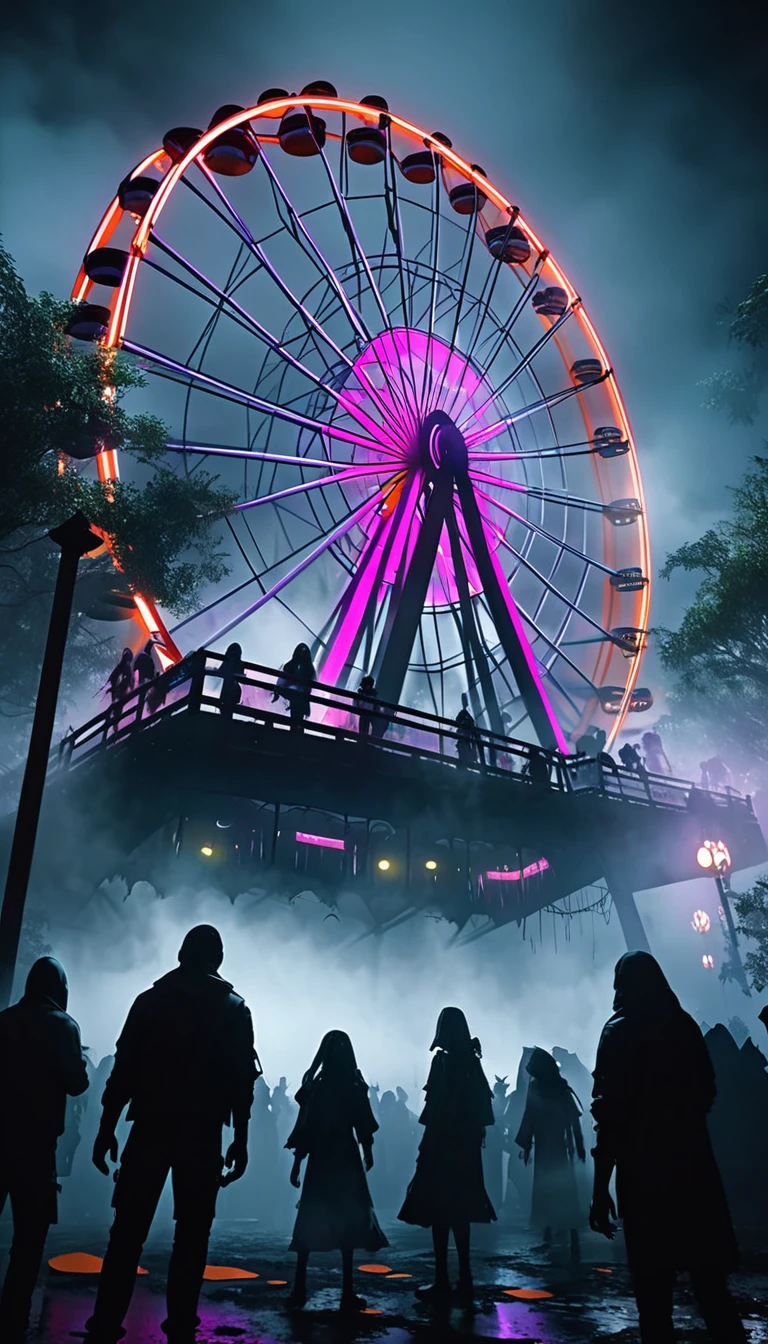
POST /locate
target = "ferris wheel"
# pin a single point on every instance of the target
(435, 475)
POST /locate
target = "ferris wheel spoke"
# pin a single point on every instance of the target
(359, 255)
(277, 459)
(550, 586)
(520, 368)
(525, 295)
(239, 395)
(353, 474)
(434, 238)
(516, 697)
(582, 448)
(325, 268)
(329, 540)
(539, 492)
(247, 320)
(245, 235)
(542, 532)
(464, 265)
(478, 436)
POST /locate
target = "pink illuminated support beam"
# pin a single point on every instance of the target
(322, 841)
(504, 875)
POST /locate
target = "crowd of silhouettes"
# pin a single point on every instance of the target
(679, 1120)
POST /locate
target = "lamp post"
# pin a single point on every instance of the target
(714, 857)
(75, 539)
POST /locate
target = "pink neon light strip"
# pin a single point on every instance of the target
(540, 866)
(324, 841)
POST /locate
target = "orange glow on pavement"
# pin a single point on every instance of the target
(374, 1269)
(220, 1273)
(527, 1294)
(79, 1262)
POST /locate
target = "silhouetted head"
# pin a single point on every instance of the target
(402, 1095)
(149, 646)
(367, 684)
(233, 654)
(335, 1057)
(202, 949)
(763, 1016)
(127, 656)
(452, 1034)
(543, 1067)
(641, 987)
(388, 1100)
(47, 981)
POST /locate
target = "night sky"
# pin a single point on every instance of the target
(632, 137)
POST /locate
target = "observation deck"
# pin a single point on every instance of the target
(393, 813)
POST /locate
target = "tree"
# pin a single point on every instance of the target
(752, 914)
(737, 391)
(58, 400)
(720, 651)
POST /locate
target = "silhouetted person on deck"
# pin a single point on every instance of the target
(335, 1122)
(144, 664)
(41, 1064)
(537, 768)
(447, 1192)
(367, 698)
(119, 684)
(295, 685)
(184, 1066)
(467, 737)
(551, 1126)
(631, 759)
(656, 758)
(231, 670)
(654, 1086)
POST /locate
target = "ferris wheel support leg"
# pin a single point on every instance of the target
(626, 908)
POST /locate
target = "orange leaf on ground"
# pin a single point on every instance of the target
(79, 1262)
(374, 1269)
(217, 1273)
(527, 1294)
(277, 1283)
(604, 1271)
(371, 1311)
(399, 1276)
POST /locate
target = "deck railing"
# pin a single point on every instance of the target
(195, 685)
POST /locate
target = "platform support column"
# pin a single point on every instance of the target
(629, 916)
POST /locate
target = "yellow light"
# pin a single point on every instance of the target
(430, 865)
(207, 851)
(713, 854)
(704, 857)
(383, 865)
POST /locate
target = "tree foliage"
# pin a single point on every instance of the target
(751, 908)
(738, 391)
(720, 651)
(57, 400)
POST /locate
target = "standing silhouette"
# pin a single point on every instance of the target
(467, 737)
(119, 685)
(295, 685)
(231, 671)
(656, 759)
(447, 1192)
(335, 1210)
(654, 1086)
(367, 698)
(184, 1066)
(144, 664)
(41, 1064)
(552, 1128)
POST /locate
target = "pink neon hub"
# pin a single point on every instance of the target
(399, 379)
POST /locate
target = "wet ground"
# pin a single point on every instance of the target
(590, 1301)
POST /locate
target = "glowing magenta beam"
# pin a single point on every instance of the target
(478, 436)
(355, 473)
(251, 454)
(324, 841)
(328, 541)
(540, 866)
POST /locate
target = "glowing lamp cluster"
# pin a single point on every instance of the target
(708, 961)
(701, 921)
(713, 855)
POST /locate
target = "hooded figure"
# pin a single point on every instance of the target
(552, 1128)
(184, 1067)
(231, 671)
(41, 1064)
(448, 1192)
(654, 1087)
(295, 684)
(335, 1122)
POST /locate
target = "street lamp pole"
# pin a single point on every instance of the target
(724, 889)
(75, 539)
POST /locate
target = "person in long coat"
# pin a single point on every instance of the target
(335, 1210)
(448, 1192)
(654, 1086)
(551, 1126)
